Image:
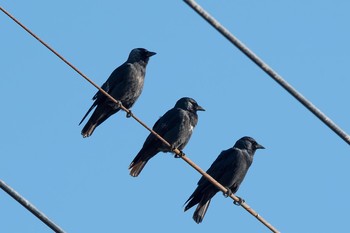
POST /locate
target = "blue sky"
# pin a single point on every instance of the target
(299, 183)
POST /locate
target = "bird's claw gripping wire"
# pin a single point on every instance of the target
(129, 114)
(119, 104)
(228, 192)
(177, 155)
(181, 154)
(239, 202)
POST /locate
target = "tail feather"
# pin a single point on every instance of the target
(136, 168)
(87, 113)
(140, 160)
(201, 196)
(88, 129)
(192, 201)
(200, 211)
(89, 126)
(197, 196)
(100, 114)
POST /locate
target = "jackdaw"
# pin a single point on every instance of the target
(124, 84)
(175, 126)
(229, 170)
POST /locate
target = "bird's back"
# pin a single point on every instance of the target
(126, 83)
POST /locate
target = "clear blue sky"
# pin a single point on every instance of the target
(299, 183)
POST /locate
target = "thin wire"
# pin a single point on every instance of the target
(15, 195)
(175, 150)
(273, 74)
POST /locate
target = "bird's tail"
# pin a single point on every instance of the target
(88, 128)
(100, 114)
(202, 198)
(140, 160)
(192, 200)
(136, 168)
(87, 113)
(200, 211)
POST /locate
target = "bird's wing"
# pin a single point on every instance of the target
(169, 120)
(152, 144)
(117, 79)
(224, 162)
(164, 124)
(233, 169)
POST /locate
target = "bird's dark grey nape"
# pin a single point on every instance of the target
(229, 169)
(124, 84)
(175, 126)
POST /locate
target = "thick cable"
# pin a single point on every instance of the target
(175, 150)
(30, 207)
(268, 70)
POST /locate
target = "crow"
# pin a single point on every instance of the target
(175, 126)
(229, 169)
(124, 84)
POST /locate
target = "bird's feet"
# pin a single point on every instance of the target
(181, 154)
(177, 155)
(129, 114)
(118, 104)
(239, 202)
(228, 192)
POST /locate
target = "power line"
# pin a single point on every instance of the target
(175, 150)
(273, 74)
(15, 195)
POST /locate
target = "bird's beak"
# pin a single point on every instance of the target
(200, 108)
(150, 54)
(259, 147)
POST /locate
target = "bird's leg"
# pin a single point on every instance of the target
(239, 202)
(228, 192)
(129, 114)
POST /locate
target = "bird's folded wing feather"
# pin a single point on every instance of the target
(117, 79)
(225, 161)
(165, 124)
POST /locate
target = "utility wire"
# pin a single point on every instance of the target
(175, 150)
(273, 74)
(15, 195)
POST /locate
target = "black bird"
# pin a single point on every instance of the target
(124, 84)
(175, 126)
(229, 170)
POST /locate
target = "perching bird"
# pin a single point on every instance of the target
(124, 84)
(175, 126)
(228, 169)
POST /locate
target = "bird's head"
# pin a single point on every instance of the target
(249, 144)
(188, 104)
(140, 54)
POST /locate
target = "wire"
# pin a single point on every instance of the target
(273, 74)
(10, 191)
(175, 150)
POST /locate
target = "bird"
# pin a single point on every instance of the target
(229, 169)
(175, 126)
(125, 84)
